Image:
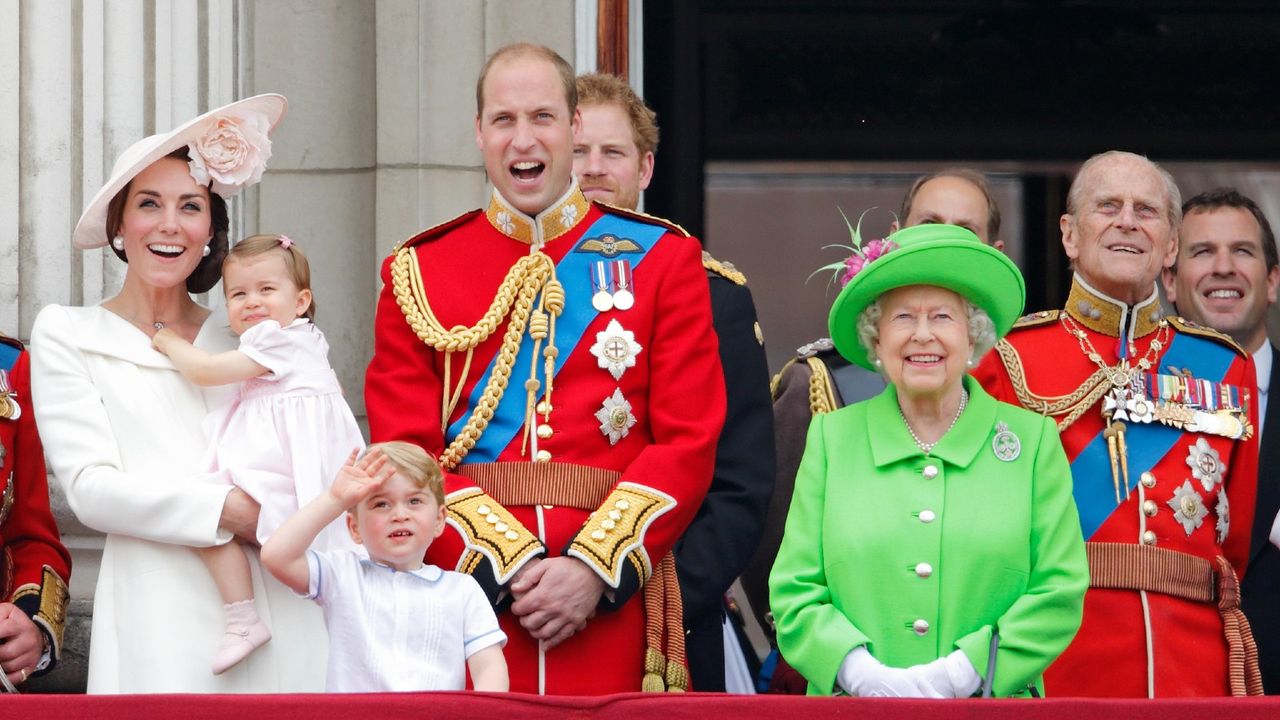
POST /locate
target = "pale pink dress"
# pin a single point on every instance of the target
(285, 435)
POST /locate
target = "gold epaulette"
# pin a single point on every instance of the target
(642, 217)
(51, 608)
(614, 533)
(436, 231)
(1043, 317)
(724, 269)
(490, 530)
(1184, 325)
(821, 386)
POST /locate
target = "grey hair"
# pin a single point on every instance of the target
(1173, 196)
(982, 331)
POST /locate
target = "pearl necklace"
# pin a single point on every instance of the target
(925, 447)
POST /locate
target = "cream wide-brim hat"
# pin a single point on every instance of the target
(91, 230)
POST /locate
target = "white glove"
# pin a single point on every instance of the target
(862, 675)
(950, 676)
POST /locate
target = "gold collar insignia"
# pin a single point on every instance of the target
(563, 215)
(1109, 316)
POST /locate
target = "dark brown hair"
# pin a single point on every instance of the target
(1229, 197)
(974, 178)
(295, 262)
(209, 271)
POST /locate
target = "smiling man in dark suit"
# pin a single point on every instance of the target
(1226, 277)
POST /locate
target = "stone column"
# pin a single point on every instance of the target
(80, 82)
(321, 188)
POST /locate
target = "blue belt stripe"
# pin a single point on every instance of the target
(573, 271)
(1147, 442)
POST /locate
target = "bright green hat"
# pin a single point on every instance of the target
(945, 256)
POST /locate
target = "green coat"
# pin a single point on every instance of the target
(872, 546)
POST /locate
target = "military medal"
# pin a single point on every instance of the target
(9, 407)
(1005, 444)
(1206, 464)
(616, 349)
(1188, 508)
(623, 297)
(616, 419)
(601, 282)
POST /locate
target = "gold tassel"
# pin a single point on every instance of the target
(654, 667)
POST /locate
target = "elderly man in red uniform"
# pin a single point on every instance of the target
(558, 357)
(34, 565)
(1158, 418)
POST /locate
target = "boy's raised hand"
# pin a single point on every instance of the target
(360, 478)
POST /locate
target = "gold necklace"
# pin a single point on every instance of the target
(925, 447)
(1121, 374)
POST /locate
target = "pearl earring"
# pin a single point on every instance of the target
(877, 362)
(205, 252)
(971, 363)
(117, 242)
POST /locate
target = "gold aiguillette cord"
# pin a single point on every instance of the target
(1110, 435)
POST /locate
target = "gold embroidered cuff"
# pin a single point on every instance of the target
(492, 531)
(49, 601)
(617, 529)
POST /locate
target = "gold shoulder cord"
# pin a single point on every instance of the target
(1072, 406)
(530, 275)
(822, 398)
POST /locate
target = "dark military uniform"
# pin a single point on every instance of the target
(818, 380)
(1260, 587)
(717, 544)
(34, 565)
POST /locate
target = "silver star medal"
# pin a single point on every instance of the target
(615, 417)
(616, 349)
(1005, 444)
(1188, 507)
(1224, 517)
(1206, 464)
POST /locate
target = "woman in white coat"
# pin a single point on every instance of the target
(122, 427)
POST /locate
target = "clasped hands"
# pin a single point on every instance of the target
(555, 597)
(21, 644)
(947, 677)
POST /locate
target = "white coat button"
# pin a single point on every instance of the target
(924, 570)
(927, 516)
(921, 626)
(930, 472)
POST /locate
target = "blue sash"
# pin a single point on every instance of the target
(1147, 442)
(574, 273)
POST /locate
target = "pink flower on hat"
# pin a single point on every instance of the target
(231, 153)
(863, 256)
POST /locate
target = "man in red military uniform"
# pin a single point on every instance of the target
(558, 356)
(34, 565)
(1158, 418)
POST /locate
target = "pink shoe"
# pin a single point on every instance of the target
(245, 633)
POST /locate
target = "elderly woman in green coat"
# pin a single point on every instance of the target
(931, 526)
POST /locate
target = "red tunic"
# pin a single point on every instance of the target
(1172, 508)
(34, 565)
(676, 395)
